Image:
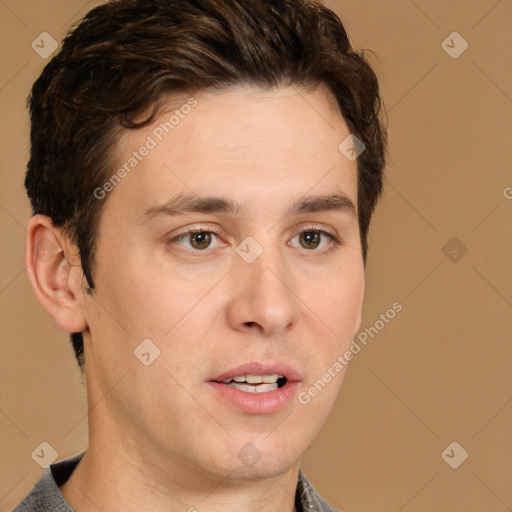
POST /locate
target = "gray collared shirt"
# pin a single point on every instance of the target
(45, 496)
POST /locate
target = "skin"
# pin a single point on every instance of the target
(160, 438)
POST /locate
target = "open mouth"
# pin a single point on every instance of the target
(257, 388)
(256, 383)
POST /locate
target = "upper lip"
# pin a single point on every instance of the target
(255, 368)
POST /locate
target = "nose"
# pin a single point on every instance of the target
(263, 299)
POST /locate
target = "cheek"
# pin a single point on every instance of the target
(158, 301)
(336, 302)
(348, 299)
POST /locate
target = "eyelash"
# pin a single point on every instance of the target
(333, 238)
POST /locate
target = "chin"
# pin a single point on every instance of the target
(262, 459)
(261, 470)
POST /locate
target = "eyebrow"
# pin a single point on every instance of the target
(186, 203)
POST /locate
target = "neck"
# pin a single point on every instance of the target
(107, 478)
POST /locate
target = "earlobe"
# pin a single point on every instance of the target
(55, 273)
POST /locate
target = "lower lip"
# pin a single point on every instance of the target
(267, 402)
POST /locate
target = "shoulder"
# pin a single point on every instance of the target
(45, 496)
(309, 498)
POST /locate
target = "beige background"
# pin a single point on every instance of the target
(440, 371)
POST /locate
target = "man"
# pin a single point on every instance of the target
(202, 176)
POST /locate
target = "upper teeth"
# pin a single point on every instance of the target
(255, 379)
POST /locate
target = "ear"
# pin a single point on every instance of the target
(55, 273)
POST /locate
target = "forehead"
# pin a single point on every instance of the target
(246, 141)
(239, 114)
(251, 116)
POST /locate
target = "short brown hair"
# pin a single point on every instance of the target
(125, 56)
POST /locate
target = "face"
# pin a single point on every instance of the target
(269, 288)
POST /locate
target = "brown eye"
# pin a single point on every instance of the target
(310, 239)
(314, 240)
(198, 240)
